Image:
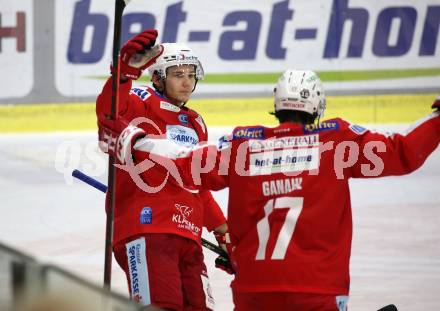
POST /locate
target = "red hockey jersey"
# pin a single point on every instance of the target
(157, 204)
(289, 211)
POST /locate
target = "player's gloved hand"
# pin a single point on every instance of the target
(223, 241)
(224, 264)
(117, 138)
(436, 103)
(139, 53)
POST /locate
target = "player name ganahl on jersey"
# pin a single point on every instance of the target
(281, 186)
(284, 142)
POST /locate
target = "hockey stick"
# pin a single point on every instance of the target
(103, 188)
(119, 9)
(388, 308)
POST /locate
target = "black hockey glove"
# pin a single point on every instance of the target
(224, 264)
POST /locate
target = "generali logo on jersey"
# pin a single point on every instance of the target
(181, 219)
(284, 142)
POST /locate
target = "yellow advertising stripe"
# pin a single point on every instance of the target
(47, 117)
(379, 109)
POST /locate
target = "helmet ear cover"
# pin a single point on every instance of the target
(300, 90)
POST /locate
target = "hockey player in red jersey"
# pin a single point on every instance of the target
(289, 211)
(157, 223)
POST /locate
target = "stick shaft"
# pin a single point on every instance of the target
(108, 256)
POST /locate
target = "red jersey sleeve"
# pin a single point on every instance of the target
(129, 106)
(396, 154)
(208, 167)
(212, 213)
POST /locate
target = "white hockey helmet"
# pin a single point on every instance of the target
(175, 54)
(300, 90)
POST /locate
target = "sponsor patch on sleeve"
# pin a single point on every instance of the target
(321, 127)
(249, 133)
(224, 142)
(357, 129)
(141, 93)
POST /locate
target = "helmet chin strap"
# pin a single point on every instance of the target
(195, 84)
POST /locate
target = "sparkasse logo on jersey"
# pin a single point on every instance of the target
(134, 273)
(182, 135)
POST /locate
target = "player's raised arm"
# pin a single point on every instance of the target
(397, 154)
(199, 167)
(117, 136)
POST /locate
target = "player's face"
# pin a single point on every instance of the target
(179, 83)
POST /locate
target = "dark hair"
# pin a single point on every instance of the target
(294, 116)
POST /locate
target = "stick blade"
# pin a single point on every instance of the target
(388, 308)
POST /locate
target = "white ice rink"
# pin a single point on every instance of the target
(396, 243)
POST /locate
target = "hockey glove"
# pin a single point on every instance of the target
(138, 53)
(436, 103)
(117, 138)
(224, 264)
(223, 240)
